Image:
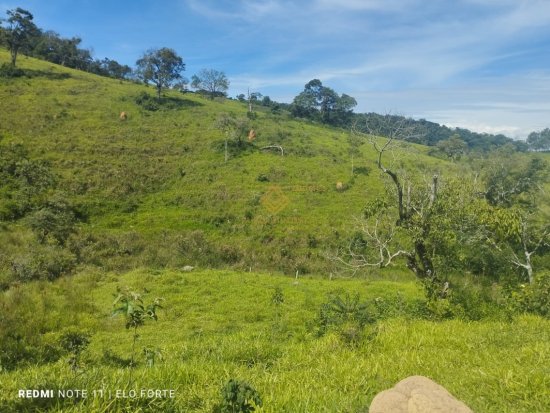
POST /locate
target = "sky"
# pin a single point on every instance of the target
(478, 64)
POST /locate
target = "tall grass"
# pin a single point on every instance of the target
(217, 325)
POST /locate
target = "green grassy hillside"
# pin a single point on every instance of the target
(149, 183)
(91, 205)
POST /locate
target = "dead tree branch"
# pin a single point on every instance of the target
(274, 147)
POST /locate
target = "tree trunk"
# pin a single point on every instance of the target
(226, 156)
(13, 57)
(529, 268)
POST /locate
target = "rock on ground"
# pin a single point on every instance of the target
(417, 394)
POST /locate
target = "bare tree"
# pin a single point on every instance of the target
(234, 129)
(530, 244)
(278, 147)
(380, 238)
(431, 223)
(413, 202)
(520, 245)
(252, 98)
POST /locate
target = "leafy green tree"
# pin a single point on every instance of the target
(65, 52)
(343, 110)
(322, 103)
(512, 178)
(162, 67)
(210, 81)
(49, 47)
(114, 69)
(516, 234)
(539, 141)
(305, 106)
(19, 32)
(454, 147)
(514, 223)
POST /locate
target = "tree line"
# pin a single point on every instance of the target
(322, 104)
(163, 68)
(20, 34)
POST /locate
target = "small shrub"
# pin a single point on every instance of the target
(277, 298)
(151, 355)
(441, 308)
(22, 181)
(312, 241)
(130, 305)
(238, 397)
(346, 315)
(358, 244)
(229, 254)
(255, 200)
(74, 342)
(534, 298)
(361, 170)
(31, 316)
(147, 102)
(55, 220)
(219, 220)
(9, 71)
(472, 301)
(46, 263)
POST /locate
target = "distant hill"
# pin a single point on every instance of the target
(430, 133)
(153, 189)
(321, 104)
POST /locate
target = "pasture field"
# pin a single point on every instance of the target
(217, 325)
(93, 207)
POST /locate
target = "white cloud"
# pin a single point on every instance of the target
(387, 5)
(244, 10)
(514, 105)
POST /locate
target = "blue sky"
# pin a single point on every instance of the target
(479, 64)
